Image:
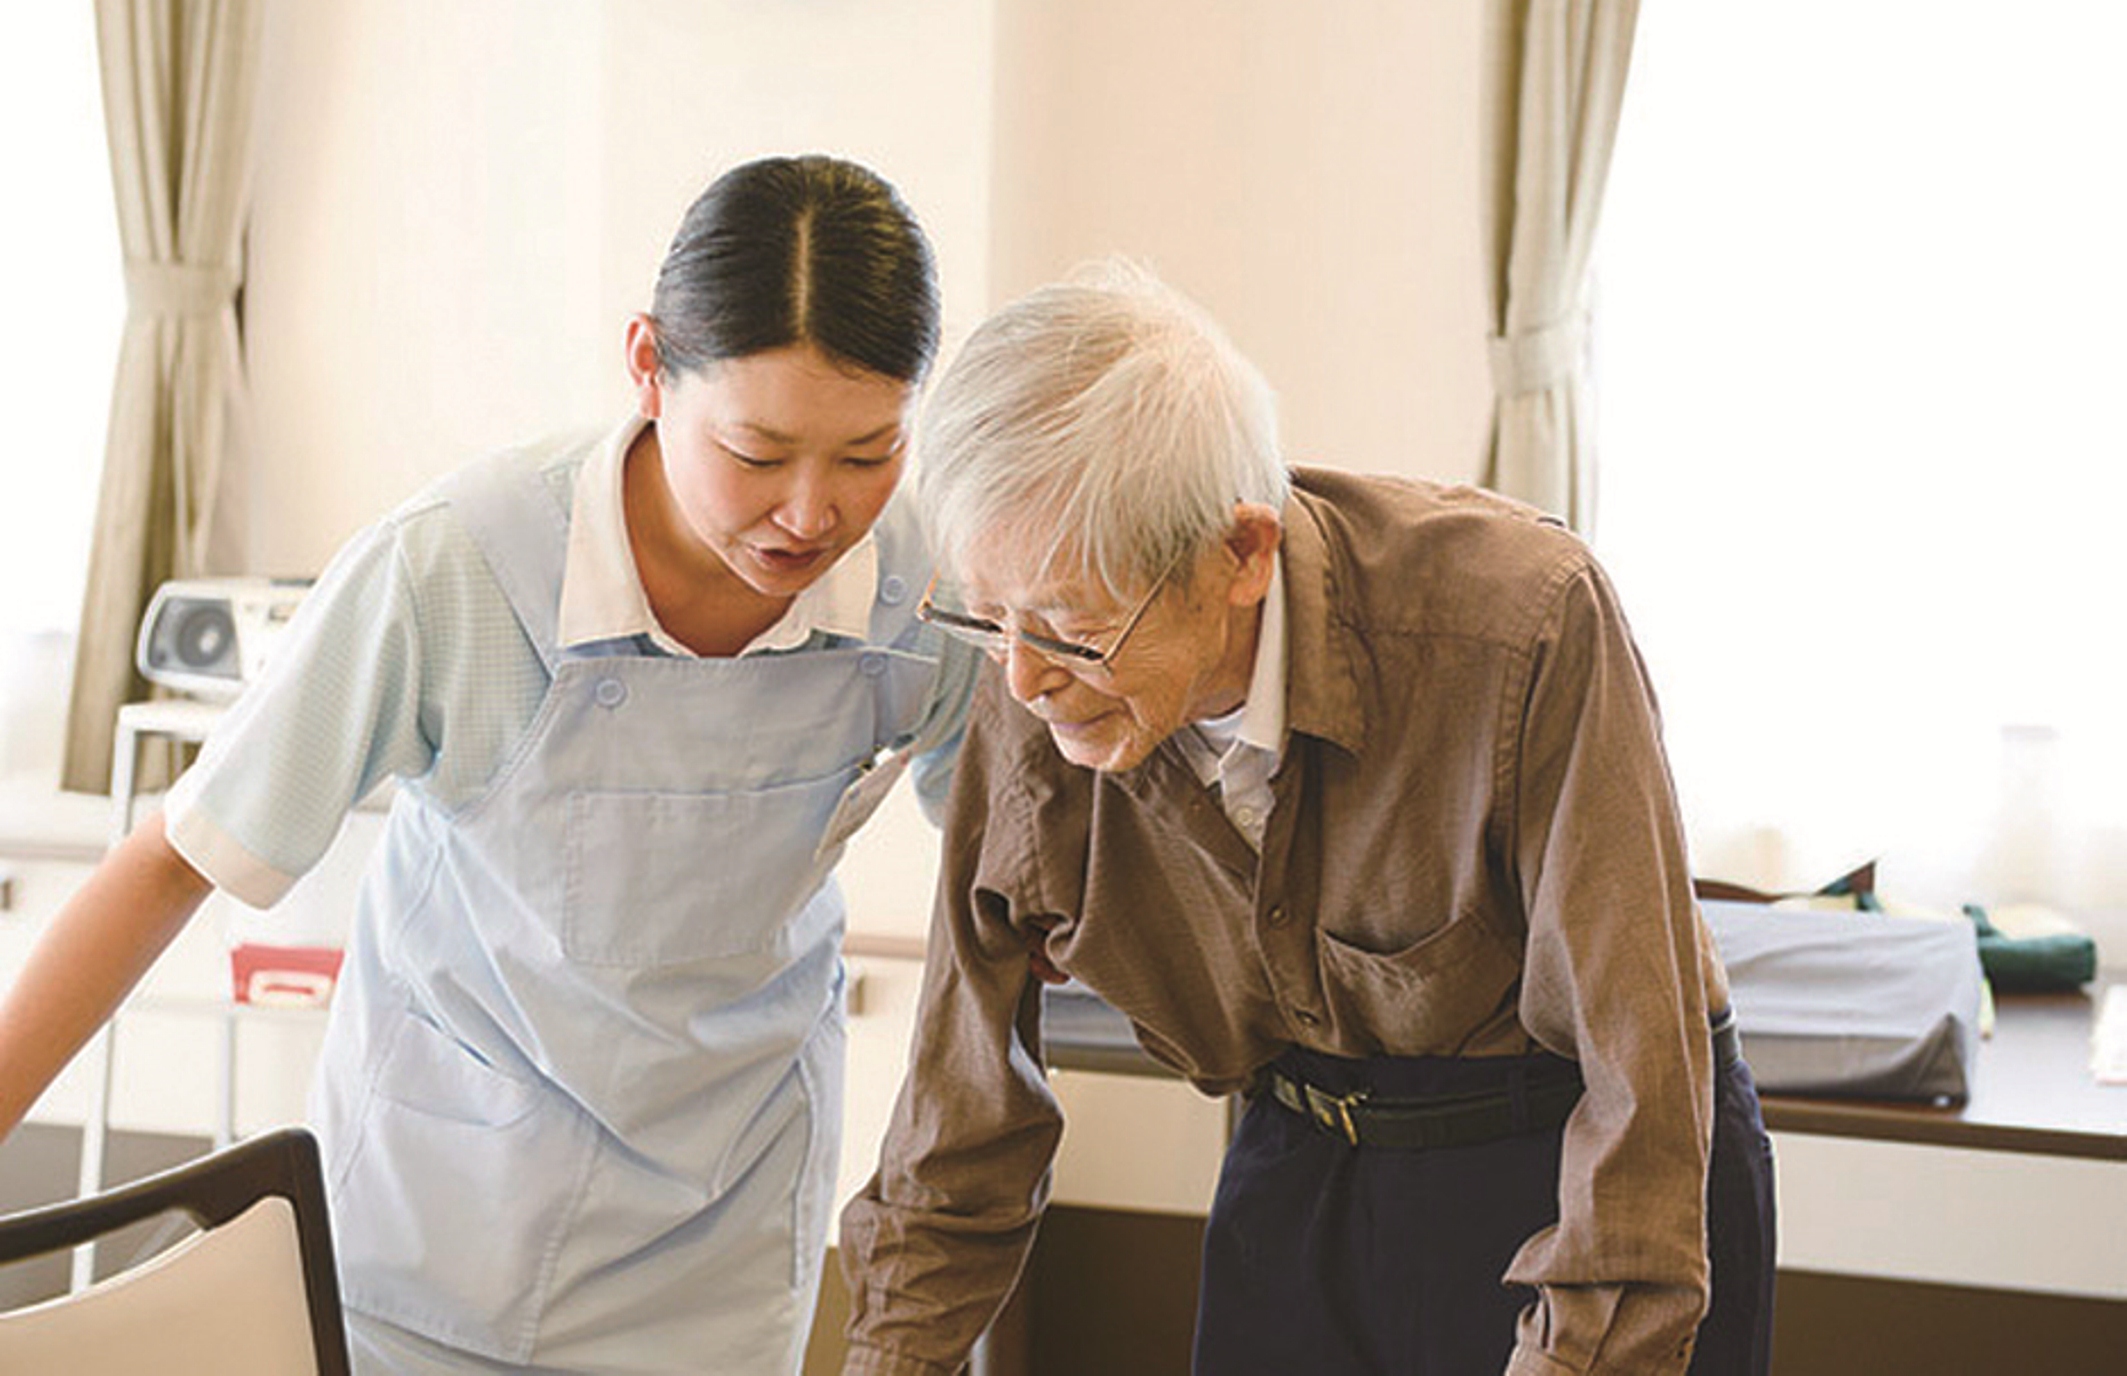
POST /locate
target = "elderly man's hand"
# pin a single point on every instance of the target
(1037, 938)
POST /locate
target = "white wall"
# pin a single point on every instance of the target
(459, 203)
(1308, 172)
(423, 282)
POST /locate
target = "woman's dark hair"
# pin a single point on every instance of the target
(808, 250)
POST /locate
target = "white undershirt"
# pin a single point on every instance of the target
(1238, 752)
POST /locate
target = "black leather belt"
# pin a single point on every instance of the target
(1464, 1120)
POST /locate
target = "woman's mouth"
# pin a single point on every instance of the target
(789, 560)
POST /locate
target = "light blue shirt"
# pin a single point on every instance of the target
(580, 1095)
(407, 634)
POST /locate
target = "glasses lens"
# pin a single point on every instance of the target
(983, 635)
(1067, 653)
(995, 640)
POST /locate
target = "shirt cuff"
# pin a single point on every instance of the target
(1615, 1330)
(1529, 1361)
(877, 1361)
(216, 854)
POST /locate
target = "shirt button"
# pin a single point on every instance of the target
(871, 664)
(892, 590)
(610, 693)
(1305, 1018)
(1276, 916)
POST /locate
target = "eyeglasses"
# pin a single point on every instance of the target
(996, 640)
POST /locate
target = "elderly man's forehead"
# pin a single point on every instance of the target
(1013, 569)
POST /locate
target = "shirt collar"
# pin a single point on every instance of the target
(602, 596)
(1263, 722)
(1262, 715)
(1322, 697)
(1259, 722)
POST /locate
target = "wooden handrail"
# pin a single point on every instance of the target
(880, 946)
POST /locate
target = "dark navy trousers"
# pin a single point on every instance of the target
(1324, 1259)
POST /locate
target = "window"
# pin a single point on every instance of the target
(1858, 362)
(65, 295)
(65, 298)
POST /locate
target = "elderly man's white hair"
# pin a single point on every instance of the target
(1104, 419)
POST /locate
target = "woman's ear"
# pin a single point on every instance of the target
(1252, 540)
(644, 371)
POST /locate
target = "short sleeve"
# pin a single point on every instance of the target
(404, 661)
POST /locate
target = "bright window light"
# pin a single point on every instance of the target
(1859, 368)
(65, 295)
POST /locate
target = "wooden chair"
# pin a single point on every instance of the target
(254, 1290)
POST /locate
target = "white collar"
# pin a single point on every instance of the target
(602, 596)
(1260, 719)
(1263, 714)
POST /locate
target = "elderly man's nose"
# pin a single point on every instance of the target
(1029, 674)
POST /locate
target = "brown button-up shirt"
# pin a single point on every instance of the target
(1473, 850)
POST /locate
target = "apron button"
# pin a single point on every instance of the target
(892, 590)
(871, 665)
(611, 692)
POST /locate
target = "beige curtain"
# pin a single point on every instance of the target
(1555, 79)
(178, 85)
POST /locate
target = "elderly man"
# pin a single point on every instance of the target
(1349, 792)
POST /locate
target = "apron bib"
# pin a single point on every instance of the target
(582, 1094)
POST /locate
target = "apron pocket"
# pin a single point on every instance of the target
(666, 878)
(820, 1071)
(454, 1202)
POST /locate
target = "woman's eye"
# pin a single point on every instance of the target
(748, 460)
(868, 460)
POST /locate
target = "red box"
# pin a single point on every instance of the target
(284, 976)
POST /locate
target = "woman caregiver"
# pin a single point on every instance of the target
(580, 1095)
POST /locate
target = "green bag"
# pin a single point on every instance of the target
(2032, 964)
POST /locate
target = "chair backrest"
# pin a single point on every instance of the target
(255, 1291)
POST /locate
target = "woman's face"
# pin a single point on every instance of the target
(778, 462)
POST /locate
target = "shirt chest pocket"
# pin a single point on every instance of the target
(664, 878)
(1424, 999)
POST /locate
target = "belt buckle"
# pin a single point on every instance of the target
(1334, 1111)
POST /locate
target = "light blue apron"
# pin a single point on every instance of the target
(581, 1092)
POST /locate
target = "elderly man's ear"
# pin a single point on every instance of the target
(1252, 542)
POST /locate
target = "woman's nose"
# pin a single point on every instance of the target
(808, 510)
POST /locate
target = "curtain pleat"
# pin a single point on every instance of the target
(1556, 82)
(179, 78)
